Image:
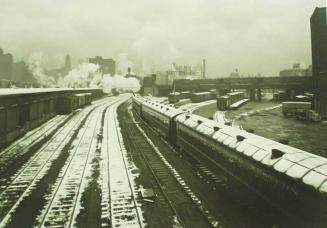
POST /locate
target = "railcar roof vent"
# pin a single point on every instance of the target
(199, 121)
(216, 128)
(240, 138)
(250, 131)
(283, 141)
(275, 153)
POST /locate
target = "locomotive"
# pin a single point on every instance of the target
(292, 180)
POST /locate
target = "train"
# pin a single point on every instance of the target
(174, 97)
(202, 96)
(290, 179)
(226, 101)
(24, 109)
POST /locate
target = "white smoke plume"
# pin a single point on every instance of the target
(84, 75)
(36, 63)
(120, 82)
(123, 63)
(88, 75)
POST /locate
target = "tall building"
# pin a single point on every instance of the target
(107, 66)
(21, 73)
(318, 24)
(6, 66)
(68, 65)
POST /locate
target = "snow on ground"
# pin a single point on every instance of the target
(252, 112)
(23, 145)
(180, 180)
(25, 180)
(125, 201)
(65, 202)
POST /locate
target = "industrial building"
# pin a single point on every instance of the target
(107, 66)
(6, 65)
(319, 58)
(297, 70)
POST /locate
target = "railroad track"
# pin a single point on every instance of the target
(165, 183)
(26, 180)
(61, 210)
(19, 148)
(175, 192)
(125, 206)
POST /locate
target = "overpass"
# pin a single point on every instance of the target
(253, 85)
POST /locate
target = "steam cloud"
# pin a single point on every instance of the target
(85, 75)
(35, 65)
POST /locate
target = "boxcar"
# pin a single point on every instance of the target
(12, 115)
(296, 108)
(24, 113)
(174, 97)
(185, 95)
(33, 110)
(2, 121)
(223, 102)
(203, 96)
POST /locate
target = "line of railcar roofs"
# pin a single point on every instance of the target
(311, 169)
(17, 91)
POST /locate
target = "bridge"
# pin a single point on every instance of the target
(253, 85)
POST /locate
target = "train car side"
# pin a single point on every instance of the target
(286, 177)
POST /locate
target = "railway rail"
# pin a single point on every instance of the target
(30, 175)
(17, 152)
(171, 190)
(125, 205)
(62, 207)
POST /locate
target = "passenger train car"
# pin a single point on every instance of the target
(293, 180)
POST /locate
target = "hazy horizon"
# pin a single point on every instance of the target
(260, 36)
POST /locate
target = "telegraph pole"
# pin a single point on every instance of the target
(203, 68)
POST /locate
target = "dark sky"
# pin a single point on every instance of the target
(251, 35)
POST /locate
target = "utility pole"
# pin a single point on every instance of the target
(203, 68)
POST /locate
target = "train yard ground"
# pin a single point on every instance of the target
(267, 120)
(103, 166)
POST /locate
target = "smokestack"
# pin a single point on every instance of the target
(204, 69)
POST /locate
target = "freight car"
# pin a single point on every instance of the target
(203, 96)
(300, 109)
(223, 102)
(226, 101)
(185, 95)
(293, 180)
(23, 109)
(174, 97)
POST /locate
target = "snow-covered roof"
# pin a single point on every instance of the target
(12, 91)
(311, 169)
(161, 108)
(138, 99)
(174, 93)
(234, 93)
(201, 93)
